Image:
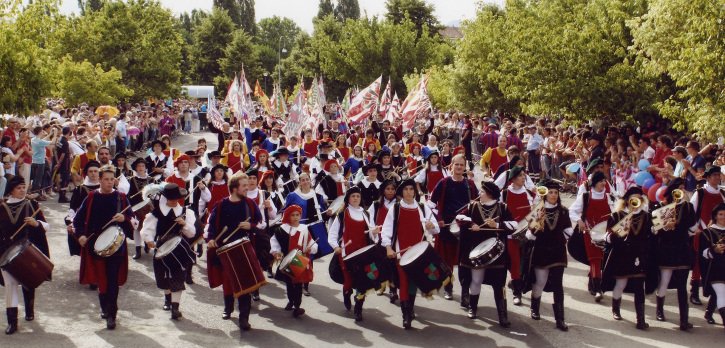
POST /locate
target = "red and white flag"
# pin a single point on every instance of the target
(394, 110)
(232, 93)
(385, 101)
(416, 104)
(297, 114)
(365, 103)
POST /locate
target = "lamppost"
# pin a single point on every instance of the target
(279, 61)
(265, 81)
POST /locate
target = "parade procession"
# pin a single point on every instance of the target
(335, 213)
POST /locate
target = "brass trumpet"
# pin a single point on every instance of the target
(535, 223)
(633, 204)
(668, 213)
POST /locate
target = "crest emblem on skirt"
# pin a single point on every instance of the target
(432, 272)
(371, 271)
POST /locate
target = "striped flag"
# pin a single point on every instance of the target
(365, 103)
(394, 110)
(385, 101)
(213, 114)
(415, 104)
(297, 114)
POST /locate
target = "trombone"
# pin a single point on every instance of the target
(668, 213)
(534, 222)
(621, 227)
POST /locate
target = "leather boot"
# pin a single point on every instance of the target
(199, 249)
(29, 297)
(597, 287)
(684, 310)
(12, 314)
(228, 307)
(616, 305)
(138, 253)
(411, 306)
(660, 308)
(639, 309)
(358, 309)
(104, 305)
(722, 315)
(465, 298)
(407, 320)
(710, 310)
(175, 313)
(167, 302)
(695, 293)
(346, 299)
(189, 277)
(473, 306)
(111, 320)
(559, 311)
(245, 306)
(499, 296)
(393, 294)
(535, 305)
(590, 287)
(255, 295)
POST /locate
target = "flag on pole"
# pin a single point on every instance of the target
(365, 102)
(246, 107)
(213, 114)
(415, 104)
(393, 112)
(322, 98)
(232, 93)
(385, 101)
(262, 97)
(297, 114)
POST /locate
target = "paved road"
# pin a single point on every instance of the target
(67, 314)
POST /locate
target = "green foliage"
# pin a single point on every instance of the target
(347, 9)
(84, 82)
(417, 11)
(325, 9)
(239, 53)
(273, 34)
(684, 41)
(440, 81)
(211, 37)
(241, 13)
(23, 78)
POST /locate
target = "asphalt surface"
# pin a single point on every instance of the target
(67, 314)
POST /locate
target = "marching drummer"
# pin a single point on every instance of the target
(138, 181)
(290, 236)
(405, 225)
(103, 208)
(712, 253)
(519, 202)
(19, 221)
(377, 212)
(168, 219)
(351, 230)
(90, 183)
(482, 221)
(158, 164)
(234, 218)
(333, 183)
(284, 169)
(369, 186)
(590, 208)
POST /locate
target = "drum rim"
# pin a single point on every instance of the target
(358, 252)
(411, 252)
(230, 245)
(288, 258)
(111, 241)
(21, 245)
(494, 242)
(175, 241)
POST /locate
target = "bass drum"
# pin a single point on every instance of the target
(27, 264)
(425, 268)
(575, 245)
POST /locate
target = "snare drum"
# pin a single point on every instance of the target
(487, 252)
(28, 265)
(296, 266)
(368, 268)
(241, 266)
(425, 268)
(175, 254)
(138, 206)
(598, 234)
(109, 241)
(337, 204)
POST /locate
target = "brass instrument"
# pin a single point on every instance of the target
(534, 222)
(668, 213)
(621, 228)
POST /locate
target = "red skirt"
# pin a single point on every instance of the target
(93, 269)
(447, 250)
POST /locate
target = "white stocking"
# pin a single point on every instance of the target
(665, 276)
(542, 275)
(176, 296)
(619, 288)
(720, 292)
(11, 290)
(477, 276)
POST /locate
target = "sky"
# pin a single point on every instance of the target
(449, 12)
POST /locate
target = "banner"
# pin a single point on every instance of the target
(232, 95)
(297, 114)
(415, 104)
(365, 103)
(213, 115)
(394, 110)
(385, 101)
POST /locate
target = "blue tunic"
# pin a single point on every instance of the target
(313, 220)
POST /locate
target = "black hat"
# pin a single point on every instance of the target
(597, 137)
(192, 153)
(405, 183)
(280, 151)
(593, 164)
(158, 142)
(213, 154)
(671, 186)
(173, 191)
(324, 144)
(253, 172)
(718, 208)
(513, 161)
(597, 177)
(386, 183)
(354, 189)
(381, 153)
(712, 170)
(432, 153)
(91, 163)
(515, 171)
(14, 182)
(137, 162)
(550, 184)
(634, 190)
(369, 166)
(491, 189)
(119, 155)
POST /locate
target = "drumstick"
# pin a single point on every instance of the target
(172, 226)
(25, 224)
(224, 230)
(463, 207)
(233, 232)
(109, 222)
(404, 250)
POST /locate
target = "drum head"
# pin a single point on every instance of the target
(359, 251)
(522, 226)
(288, 259)
(136, 207)
(12, 253)
(599, 232)
(107, 237)
(414, 252)
(168, 246)
(337, 204)
(483, 247)
(230, 245)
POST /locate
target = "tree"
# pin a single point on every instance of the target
(241, 13)
(417, 11)
(23, 79)
(86, 83)
(683, 41)
(325, 9)
(211, 38)
(90, 5)
(347, 9)
(273, 34)
(239, 53)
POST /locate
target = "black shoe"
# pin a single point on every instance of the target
(12, 315)
(298, 312)
(616, 305)
(244, 326)
(499, 296)
(62, 199)
(167, 302)
(590, 286)
(111, 322)
(695, 293)
(306, 289)
(228, 307)
(597, 288)
(465, 300)
(358, 309)
(199, 250)
(346, 299)
(473, 306)
(255, 296)
(517, 287)
(407, 319)
(639, 309)
(722, 314)
(660, 314)
(93, 287)
(189, 277)
(289, 306)
(710, 310)
(146, 249)
(559, 317)
(175, 313)
(29, 299)
(138, 253)
(535, 306)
